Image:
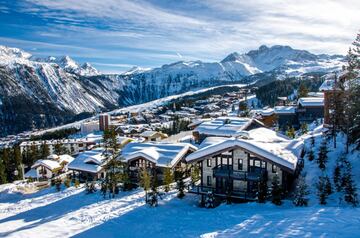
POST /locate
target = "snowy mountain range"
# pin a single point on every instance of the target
(43, 92)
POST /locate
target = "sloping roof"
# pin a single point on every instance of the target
(224, 126)
(89, 161)
(65, 158)
(50, 164)
(327, 85)
(262, 142)
(311, 102)
(285, 110)
(162, 154)
(32, 173)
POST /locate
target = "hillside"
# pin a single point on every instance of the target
(44, 92)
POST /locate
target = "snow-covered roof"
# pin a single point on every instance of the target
(162, 154)
(265, 111)
(311, 102)
(50, 164)
(89, 161)
(224, 126)
(149, 133)
(284, 110)
(65, 158)
(262, 142)
(327, 85)
(32, 173)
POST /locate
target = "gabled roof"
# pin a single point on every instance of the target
(262, 142)
(50, 164)
(89, 161)
(224, 126)
(311, 102)
(162, 154)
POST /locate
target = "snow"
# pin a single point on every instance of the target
(263, 142)
(162, 154)
(285, 110)
(89, 161)
(223, 126)
(72, 213)
(311, 101)
(50, 164)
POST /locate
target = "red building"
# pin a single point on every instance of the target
(104, 122)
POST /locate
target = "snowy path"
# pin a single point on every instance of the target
(72, 213)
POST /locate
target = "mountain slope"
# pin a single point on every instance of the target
(43, 92)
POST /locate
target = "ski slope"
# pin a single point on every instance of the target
(72, 213)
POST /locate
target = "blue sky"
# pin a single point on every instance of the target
(115, 35)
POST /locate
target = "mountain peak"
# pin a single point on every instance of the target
(231, 57)
(13, 52)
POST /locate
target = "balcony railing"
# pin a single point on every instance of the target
(203, 190)
(227, 171)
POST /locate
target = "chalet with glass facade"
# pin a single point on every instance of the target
(236, 166)
(154, 157)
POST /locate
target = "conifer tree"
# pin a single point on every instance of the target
(44, 150)
(276, 191)
(18, 163)
(322, 156)
(311, 155)
(301, 192)
(304, 128)
(302, 91)
(290, 132)
(321, 190)
(3, 178)
(153, 201)
(328, 188)
(312, 141)
(180, 184)
(262, 191)
(168, 179)
(145, 181)
(350, 191)
(352, 108)
(195, 174)
(337, 175)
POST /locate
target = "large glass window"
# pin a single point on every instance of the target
(274, 168)
(240, 164)
(208, 162)
(208, 181)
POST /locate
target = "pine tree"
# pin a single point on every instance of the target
(290, 132)
(180, 184)
(312, 141)
(195, 174)
(321, 190)
(337, 176)
(145, 181)
(262, 191)
(301, 192)
(350, 191)
(168, 179)
(44, 150)
(322, 156)
(328, 188)
(58, 184)
(302, 91)
(153, 201)
(352, 108)
(103, 189)
(3, 178)
(18, 163)
(276, 191)
(311, 155)
(304, 128)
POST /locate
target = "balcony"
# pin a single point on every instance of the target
(203, 190)
(226, 171)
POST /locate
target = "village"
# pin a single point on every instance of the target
(220, 147)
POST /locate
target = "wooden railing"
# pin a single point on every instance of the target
(203, 190)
